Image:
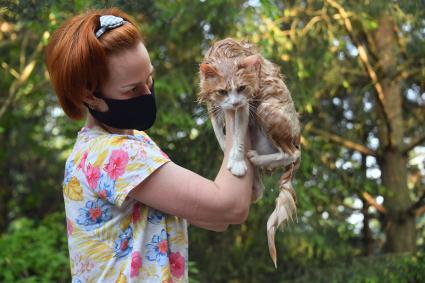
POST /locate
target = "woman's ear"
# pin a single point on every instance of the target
(95, 103)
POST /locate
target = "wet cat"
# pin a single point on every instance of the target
(234, 76)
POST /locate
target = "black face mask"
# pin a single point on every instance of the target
(135, 113)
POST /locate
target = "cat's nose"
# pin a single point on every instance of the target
(236, 104)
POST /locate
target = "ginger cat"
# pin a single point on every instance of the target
(234, 76)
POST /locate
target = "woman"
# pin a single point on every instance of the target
(127, 203)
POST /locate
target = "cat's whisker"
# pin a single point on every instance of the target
(214, 110)
(206, 113)
(254, 115)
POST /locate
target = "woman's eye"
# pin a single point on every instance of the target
(222, 92)
(134, 90)
(241, 88)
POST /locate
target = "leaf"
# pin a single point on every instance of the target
(118, 141)
(96, 249)
(150, 271)
(100, 160)
(121, 278)
(120, 185)
(77, 157)
(73, 190)
(165, 273)
(134, 166)
(179, 239)
(106, 233)
(158, 159)
(125, 222)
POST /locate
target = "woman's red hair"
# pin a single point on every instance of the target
(77, 61)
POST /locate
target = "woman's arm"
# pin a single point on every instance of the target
(205, 203)
(210, 226)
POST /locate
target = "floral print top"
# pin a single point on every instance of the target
(112, 237)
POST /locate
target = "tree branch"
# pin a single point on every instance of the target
(415, 142)
(420, 211)
(418, 206)
(342, 141)
(364, 59)
(371, 200)
(25, 73)
(366, 196)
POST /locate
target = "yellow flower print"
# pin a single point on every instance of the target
(73, 189)
(121, 278)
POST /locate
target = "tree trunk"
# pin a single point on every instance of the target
(400, 224)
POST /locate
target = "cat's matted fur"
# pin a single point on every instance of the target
(234, 76)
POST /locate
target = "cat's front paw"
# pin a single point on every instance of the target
(237, 167)
(253, 157)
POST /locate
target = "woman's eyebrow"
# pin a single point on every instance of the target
(139, 82)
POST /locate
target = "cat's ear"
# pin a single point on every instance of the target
(250, 61)
(208, 70)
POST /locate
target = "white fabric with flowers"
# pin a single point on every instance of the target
(111, 237)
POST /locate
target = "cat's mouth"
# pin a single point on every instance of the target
(234, 105)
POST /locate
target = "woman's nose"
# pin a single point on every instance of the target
(146, 90)
(148, 86)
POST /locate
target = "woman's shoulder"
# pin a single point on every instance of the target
(97, 140)
(120, 162)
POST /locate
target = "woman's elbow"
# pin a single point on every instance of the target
(238, 213)
(233, 210)
(241, 216)
(221, 228)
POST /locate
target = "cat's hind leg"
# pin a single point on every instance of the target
(258, 186)
(274, 160)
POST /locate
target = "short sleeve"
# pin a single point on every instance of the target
(122, 163)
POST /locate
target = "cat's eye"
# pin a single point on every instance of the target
(222, 92)
(241, 88)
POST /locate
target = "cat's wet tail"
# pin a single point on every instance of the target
(285, 208)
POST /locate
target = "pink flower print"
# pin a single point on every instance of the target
(177, 263)
(69, 227)
(102, 194)
(164, 154)
(163, 247)
(117, 163)
(92, 175)
(136, 264)
(95, 213)
(82, 163)
(136, 213)
(147, 140)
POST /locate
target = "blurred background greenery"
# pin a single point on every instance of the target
(356, 70)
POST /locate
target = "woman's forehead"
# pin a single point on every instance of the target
(129, 65)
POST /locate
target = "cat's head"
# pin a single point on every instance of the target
(229, 83)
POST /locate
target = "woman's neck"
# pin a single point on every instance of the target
(91, 122)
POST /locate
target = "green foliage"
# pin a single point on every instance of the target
(386, 268)
(32, 252)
